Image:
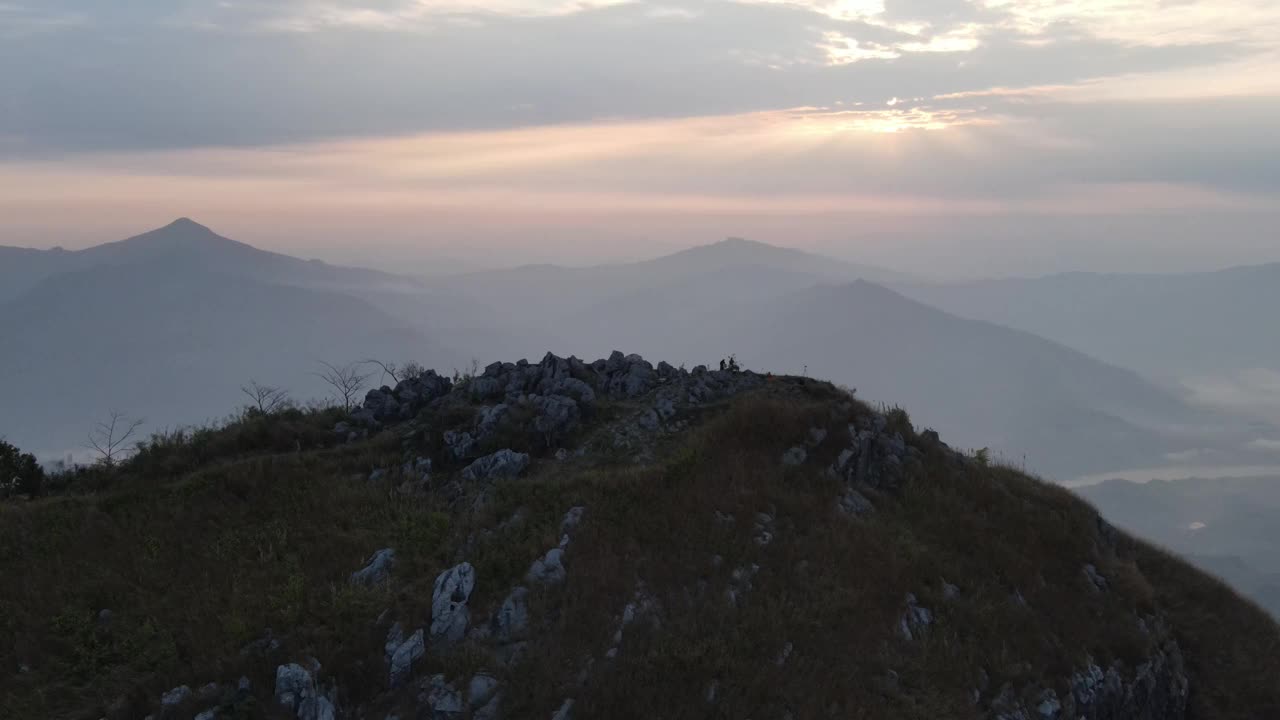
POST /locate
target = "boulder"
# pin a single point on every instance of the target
(572, 519)
(502, 464)
(485, 388)
(458, 444)
(481, 689)
(395, 638)
(488, 420)
(416, 392)
(449, 612)
(402, 659)
(317, 708)
(175, 697)
(512, 619)
(573, 388)
(294, 685)
(382, 404)
(794, 456)
(855, 503)
(555, 415)
(915, 620)
(1097, 582)
(444, 700)
(548, 569)
(377, 570)
(565, 712)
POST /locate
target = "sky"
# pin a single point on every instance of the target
(945, 137)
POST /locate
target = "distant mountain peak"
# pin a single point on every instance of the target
(181, 232)
(185, 223)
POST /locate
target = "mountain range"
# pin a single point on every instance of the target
(178, 318)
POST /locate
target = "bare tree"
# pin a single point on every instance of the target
(109, 437)
(266, 399)
(387, 368)
(346, 381)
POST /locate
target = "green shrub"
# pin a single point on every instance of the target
(19, 471)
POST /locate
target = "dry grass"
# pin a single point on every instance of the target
(196, 560)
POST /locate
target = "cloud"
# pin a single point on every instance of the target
(968, 107)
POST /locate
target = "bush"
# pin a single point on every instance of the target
(19, 471)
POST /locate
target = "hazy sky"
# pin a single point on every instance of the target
(992, 136)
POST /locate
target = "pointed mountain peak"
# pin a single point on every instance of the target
(185, 223)
(181, 231)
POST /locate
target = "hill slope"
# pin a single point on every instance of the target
(173, 347)
(1173, 325)
(1225, 525)
(604, 540)
(981, 384)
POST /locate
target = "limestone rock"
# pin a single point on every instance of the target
(377, 570)
(502, 464)
(449, 613)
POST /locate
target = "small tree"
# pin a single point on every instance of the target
(19, 471)
(346, 381)
(266, 399)
(110, 437)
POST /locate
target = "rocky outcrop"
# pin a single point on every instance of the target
(449, 612)
(377, 570)
(385, 405)
(404, 656)
(502, 464)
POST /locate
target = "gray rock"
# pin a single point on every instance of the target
(565, 712)
(491, 710)
(784, 654)
(855, 503)
(512, 619)
(444, 699)
(647, 420)
(414, 393)
(915, 621)
(547, 570)
(377, 570)
(572, 519)
(1096, 580)
(489, 419)
(555, 416)
(294, 685)
(458, 444)
(949, 591)
(210, 714)
(176, 696)
(449, 613)
(395, 638)
(485, 388)
(209, 692)
(665, 407)
(842, 461)
(1048, 707)
(816, 436)
(502, 464)
(794, 456)
(574, 388)
(402, 660)
(481, 689)
(317, 708)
